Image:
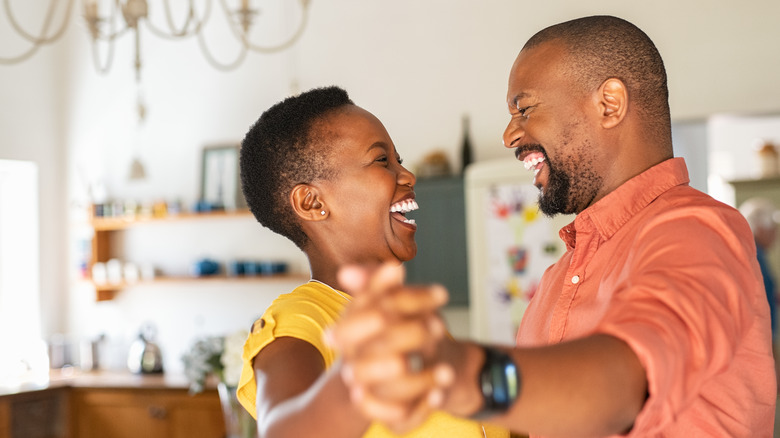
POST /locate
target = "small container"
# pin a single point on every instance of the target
(205, 267)
(99, 273)
(131, 272)
(768, 156)
(89, 353)
(236, 268)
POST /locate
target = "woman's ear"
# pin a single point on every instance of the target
(613, 102)
(306, 203)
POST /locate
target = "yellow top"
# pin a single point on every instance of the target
(304, 314)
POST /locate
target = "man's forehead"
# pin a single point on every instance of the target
(532, 65)
(514, 96)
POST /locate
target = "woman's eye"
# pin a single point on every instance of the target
(524, 111)
(382, 159)
(400, 160)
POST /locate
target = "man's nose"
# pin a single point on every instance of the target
(512, 134)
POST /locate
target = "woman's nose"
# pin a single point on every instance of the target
(405, 177)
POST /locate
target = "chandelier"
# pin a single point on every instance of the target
(110, 19)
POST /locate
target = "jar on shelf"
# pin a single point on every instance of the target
(768, 157)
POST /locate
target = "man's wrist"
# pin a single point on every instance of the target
(499, 381)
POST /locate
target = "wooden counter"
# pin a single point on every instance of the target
(110, 405)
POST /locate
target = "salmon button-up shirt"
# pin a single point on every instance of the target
(673, 273)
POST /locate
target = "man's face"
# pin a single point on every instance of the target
(550, 129)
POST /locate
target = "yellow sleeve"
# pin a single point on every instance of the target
(256, 341)
(287, 317)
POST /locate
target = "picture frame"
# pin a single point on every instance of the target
(220, 187)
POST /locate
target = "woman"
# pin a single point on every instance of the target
(324, 173)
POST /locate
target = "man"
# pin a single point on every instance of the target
(654, 321)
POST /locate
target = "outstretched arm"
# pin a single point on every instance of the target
(296, 395)
(591, 386)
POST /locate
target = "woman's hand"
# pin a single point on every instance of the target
(391, 339)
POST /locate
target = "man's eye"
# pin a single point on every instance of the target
(382, 159)
(400, 160)
(524, 111)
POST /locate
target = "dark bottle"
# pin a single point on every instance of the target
(466, 150)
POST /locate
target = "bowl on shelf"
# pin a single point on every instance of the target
(205, 267)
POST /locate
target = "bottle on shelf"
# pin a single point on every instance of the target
(770, 160)
(466, 149)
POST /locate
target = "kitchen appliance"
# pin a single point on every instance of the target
(145, 356)
(510, 245)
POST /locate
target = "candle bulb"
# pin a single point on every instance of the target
(91, 9)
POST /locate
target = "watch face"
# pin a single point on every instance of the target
(500, 382)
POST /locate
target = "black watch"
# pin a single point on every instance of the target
(499, 381)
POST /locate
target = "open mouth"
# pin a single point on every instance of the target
(534, 161)
(399, 209)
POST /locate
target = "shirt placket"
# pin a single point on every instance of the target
(575, 276)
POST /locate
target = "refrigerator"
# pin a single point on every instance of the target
(510, 245)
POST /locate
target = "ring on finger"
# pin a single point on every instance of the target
(415, 362)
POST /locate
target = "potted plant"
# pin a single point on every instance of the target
(219, 357)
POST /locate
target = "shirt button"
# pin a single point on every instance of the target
(575, 279)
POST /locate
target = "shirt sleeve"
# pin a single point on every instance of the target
(686, 303)
(299, 320)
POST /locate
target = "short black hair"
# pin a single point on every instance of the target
(280, 151)
(601, 47)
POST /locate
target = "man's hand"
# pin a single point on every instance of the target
(391, 340)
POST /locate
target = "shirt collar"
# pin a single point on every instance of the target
(615, 209)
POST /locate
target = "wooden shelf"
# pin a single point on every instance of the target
(104, 227)
(108, 291)
(115, 223)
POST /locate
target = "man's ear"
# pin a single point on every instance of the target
(613, 102)
(306, 203)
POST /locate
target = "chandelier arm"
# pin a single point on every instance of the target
(162, 34)
(19, 58)
(42, 39)
(285, 45)
(184, 33)
(169, 18)
(110, 40)
(201, 21)
(113, 34)
(103, 69)
(216, 64)
(233, 26)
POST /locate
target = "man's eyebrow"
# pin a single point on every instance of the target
(379, 145)
(518, 97)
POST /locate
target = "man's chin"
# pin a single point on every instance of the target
(550, 207)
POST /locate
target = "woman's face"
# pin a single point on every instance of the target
(369, 193)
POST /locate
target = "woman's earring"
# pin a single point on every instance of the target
(322, 212)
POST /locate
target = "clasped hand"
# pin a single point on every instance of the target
(392, 345)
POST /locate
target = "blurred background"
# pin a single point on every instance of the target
(134, 137)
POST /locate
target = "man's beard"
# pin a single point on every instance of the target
(554, 198)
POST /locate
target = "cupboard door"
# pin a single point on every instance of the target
(197, 416)
(117, 421)
(35, 414)
(131, 413)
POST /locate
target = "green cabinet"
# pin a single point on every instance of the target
(441, 237)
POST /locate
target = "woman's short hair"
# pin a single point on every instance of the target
(283, 149)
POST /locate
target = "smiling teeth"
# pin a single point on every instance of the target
(404, 207)
(531, 163)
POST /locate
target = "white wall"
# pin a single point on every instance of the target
(31, 129)
(417, 65)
